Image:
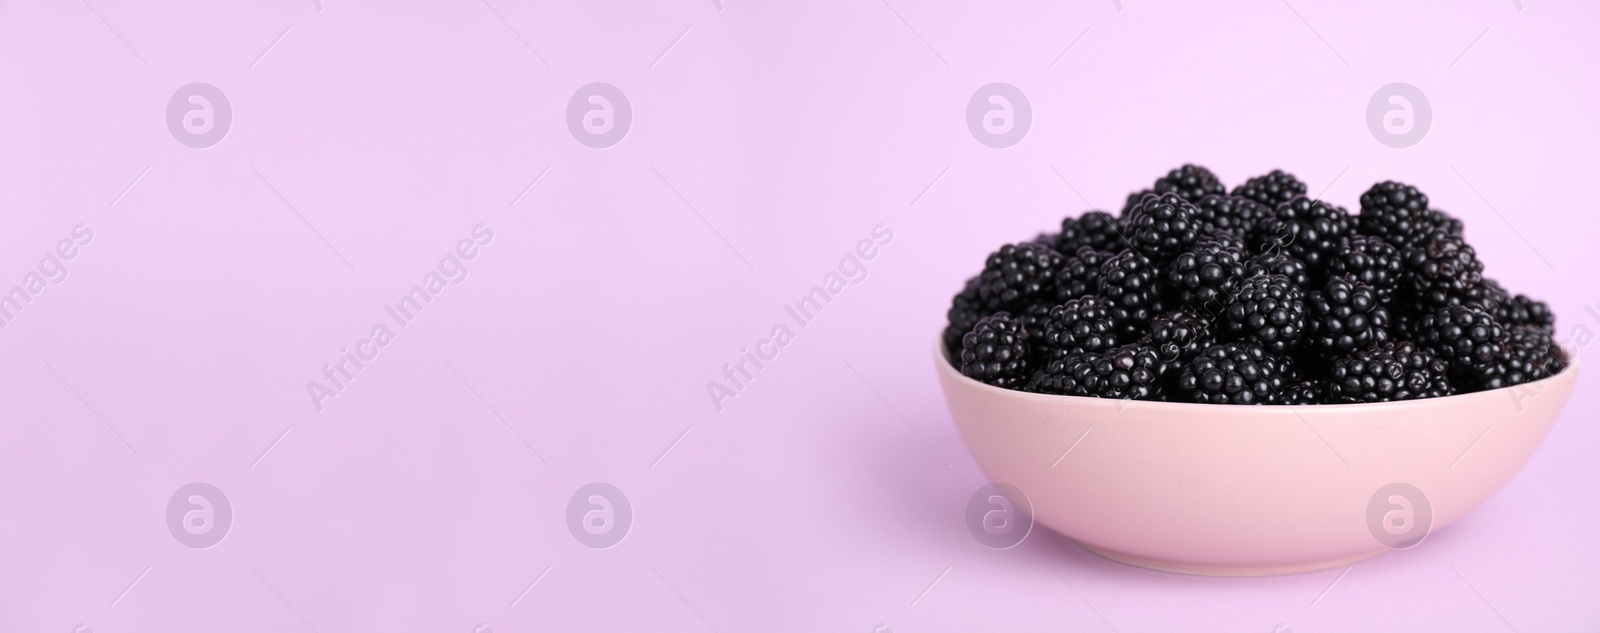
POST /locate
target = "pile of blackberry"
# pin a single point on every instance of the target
(1259, 296)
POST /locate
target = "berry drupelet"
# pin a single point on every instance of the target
(1017, 274)
(1162, 226)
(1345, 315)
(995, 352)
(1080, 325)
(1233, 373)
(1191, 182)
(1271, 189)
(1269, 311)
(1206, 274)
(1096, 229)
(1385, 372)
(1127, 372)
(1371, 261)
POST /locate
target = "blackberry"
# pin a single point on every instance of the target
(1371, 261)
(1470, 340)
(1079, 325)
(1444, 272)
(1280, 264)
(1532, 313)
(1206, 274)
(1230, 214)
(1534, 356)
(1018, 273)
(995, 352)
(1271, 189)
(1033, 319)
(1385, 372)
(1128, 279)
(1396, 212)
(1177, 337)
(1496, 300)
(1310, 230)
(1190, 182)
(1127, 372)
(1232, 373)
(1096, 229)
(1162, 226)
(1304, 392)
(1080, 275)
(1345, 315)
(1268, 311)
(1133, 201)
(1512, 311)
(1046, 238)
(966, 307)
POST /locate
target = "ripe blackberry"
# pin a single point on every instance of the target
(1304, 392)
(995, 352)
(1444, 272)
(1190, 182)
(1127, 372)
(1470, 340)
(1272, 263)
(1205, 275)
(1345, 315)
(1311, 230)
(1128, 279)
(1512, 311)
(1385, 372)
(1268, 311)
(1532, 313)
(1162, 226)
(1033, 318)
(1232, 373)
(1133, 201)
(1396, 212)
(1534, 356)
(1080, 274)
(1077, 326)
(966, 307)
(1230, 214)
(1017, 274)
(1177, 337)
(1371, 261)
(1271, 189)
(1096, 229)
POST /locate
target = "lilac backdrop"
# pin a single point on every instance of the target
(766, 139)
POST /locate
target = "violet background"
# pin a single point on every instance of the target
(595, 318)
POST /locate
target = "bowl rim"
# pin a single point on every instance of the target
(948, 369)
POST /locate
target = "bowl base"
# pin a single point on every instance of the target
(1199, 569)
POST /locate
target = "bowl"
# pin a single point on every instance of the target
(1240, 490)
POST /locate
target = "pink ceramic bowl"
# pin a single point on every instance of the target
(1233, 490)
